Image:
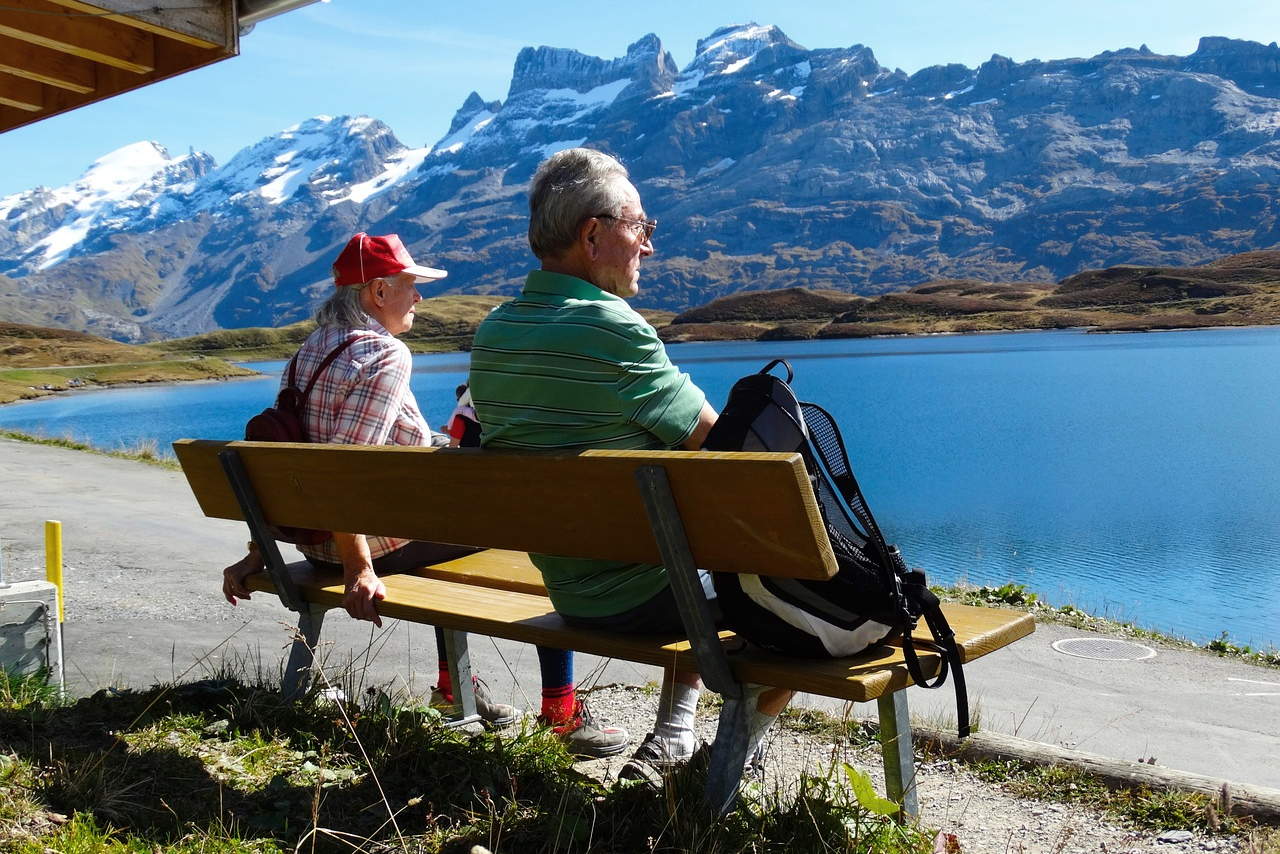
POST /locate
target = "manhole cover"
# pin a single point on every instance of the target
(1103, 649)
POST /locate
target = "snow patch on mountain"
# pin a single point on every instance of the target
(332, 156)
(399, 167)
(584, 104)
(730, 48)
(459, 138)
(113, 189)
(550, 148)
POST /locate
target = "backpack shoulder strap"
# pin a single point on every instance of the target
(328, 360)
(293, 370)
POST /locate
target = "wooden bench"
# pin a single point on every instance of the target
(731, 512)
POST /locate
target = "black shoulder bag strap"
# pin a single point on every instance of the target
(328, 360)
(299, 401)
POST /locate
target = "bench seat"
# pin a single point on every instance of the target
(500, 594)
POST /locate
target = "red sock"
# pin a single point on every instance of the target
(558, 704)
(444, 682)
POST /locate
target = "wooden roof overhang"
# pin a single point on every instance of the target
(57, 55)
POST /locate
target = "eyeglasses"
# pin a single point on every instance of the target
(642, 227)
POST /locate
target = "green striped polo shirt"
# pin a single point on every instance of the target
(567, 366)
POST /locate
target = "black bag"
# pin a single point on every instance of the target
(873, 596)
(284, 423)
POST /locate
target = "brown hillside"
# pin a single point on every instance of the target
(1236, 290)
(783, 304)
(23, 346)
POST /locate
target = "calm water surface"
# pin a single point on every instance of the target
(1132, 475)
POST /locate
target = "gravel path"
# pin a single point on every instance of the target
(983, 817)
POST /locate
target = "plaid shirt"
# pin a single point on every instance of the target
(363, 398)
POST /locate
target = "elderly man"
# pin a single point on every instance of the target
(363, 398)
(570, 365)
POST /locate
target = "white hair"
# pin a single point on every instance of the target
(567, 188)
(343, 309)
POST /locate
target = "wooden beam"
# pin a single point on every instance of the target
(203, 23)
(172, 58)
(21, 93)
(46, 66)
(50, 25)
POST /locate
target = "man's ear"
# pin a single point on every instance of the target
(588, 235)
(378, 292)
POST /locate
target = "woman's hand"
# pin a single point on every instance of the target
(363, 593)
(233, 577)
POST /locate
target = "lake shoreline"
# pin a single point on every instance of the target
(1084, 330)
(100, 387)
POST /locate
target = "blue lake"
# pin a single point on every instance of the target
(1135, 475)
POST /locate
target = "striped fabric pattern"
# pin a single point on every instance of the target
(566, 366)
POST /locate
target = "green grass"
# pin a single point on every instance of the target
(223, 765)
(1138, 806)
(20, 383)
(145, 451)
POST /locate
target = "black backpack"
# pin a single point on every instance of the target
(873, 597)
(284, 423)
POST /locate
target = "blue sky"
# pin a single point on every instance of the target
(411, 63)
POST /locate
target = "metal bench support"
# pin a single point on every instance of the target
(729, 752)
(302, 655)
(464, 692)
(899, 762)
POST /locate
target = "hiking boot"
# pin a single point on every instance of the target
(582, 737)
(494, 714)
(651, 762)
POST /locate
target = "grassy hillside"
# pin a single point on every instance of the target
(442, 324)
(37, 360)
(1239, 290)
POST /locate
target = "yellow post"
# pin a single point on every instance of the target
(53, 558)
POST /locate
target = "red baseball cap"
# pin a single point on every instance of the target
(367, 257)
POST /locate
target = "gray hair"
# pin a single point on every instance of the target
(343, 309)
(569, 187)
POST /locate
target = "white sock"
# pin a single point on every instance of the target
(758, 722)
(677, 708)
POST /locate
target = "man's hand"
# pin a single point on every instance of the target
(363, 592)
(233, 576)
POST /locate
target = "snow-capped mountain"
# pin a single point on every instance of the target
(767, 164)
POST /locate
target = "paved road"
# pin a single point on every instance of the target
(142, 600)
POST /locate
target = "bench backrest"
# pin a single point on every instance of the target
(742, 512)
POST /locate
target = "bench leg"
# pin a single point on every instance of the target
(728, 755)
(464, 692)
(899, 762)
(297, 672)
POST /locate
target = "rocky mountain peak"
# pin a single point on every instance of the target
(472, 107)
(730, 48)
(49, 226)
(320, 151)
(562, 68)
(1235, 58)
